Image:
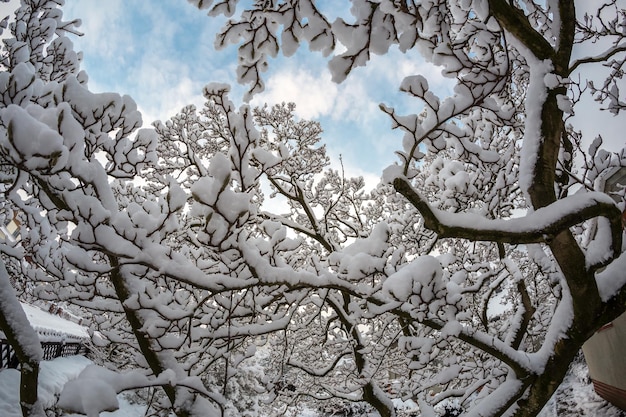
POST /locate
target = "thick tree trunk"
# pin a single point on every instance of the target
(24, 341)
(369, 395)
(588, 314)
(144, 340)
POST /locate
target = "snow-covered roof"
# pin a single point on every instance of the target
(609, 180)
(52, 328)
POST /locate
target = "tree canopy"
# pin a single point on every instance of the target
(471, 275)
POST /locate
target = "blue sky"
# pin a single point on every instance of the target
(161, 53)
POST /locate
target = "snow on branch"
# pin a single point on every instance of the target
(540, 226)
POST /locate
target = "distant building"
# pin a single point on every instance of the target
(11, 230)
(606, 358)
(615, 181)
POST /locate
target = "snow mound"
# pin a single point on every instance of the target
(52, 377)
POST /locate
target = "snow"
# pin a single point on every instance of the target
(30, 140)
(535, 222)
(76, 394)
(612, 278)
(47, 139)
(422, 278)
(561, 320)
(52, 328)
(363, 255)
(536, 96)
(16, 319)
(599, 249)
(497, 399)
(53, 375)
(574, 397)
(565, 104)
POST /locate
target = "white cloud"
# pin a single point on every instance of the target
(169, 99)
(142, 51)
(357, 101)
(106, 29)
(7, 9)
(348, 112)
(314, 95)
(163, 59)
(310, 87)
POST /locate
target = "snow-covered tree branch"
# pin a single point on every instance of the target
(511, 62)
(475, 271)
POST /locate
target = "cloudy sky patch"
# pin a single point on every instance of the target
(162, 54)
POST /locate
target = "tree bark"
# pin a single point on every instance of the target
(586, 303)
(25, 342)
(369, 389)
(136, 323)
